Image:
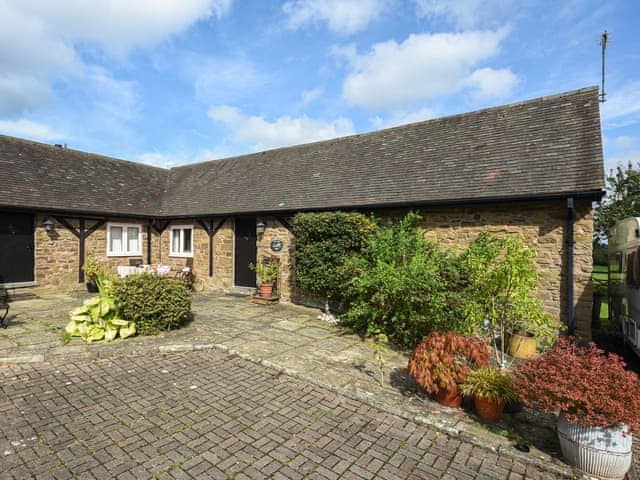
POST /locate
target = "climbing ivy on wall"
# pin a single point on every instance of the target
(323, 242)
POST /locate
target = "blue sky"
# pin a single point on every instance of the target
(172, 82)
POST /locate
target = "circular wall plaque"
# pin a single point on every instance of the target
(276, 245)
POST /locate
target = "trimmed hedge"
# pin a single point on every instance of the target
(153, 302)
(323, 242)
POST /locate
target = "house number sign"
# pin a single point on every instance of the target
(276, 245)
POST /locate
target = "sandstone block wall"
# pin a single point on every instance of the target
(56, 253)
(275, 230)
(542, 225)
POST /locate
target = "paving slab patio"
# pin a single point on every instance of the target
(291, 339)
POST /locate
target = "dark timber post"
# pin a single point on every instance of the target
(81, 238)
(149, 243)
(211, 232)
(81, 234)
(570, 242)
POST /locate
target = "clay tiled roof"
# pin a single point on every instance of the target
(39, 176)
(549, 146)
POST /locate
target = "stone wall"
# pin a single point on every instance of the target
(275, 230)
(542, 225)
(56, 253)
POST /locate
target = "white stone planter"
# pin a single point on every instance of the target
(603, 452)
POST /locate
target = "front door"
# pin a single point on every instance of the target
(16, 248)
(245, 251)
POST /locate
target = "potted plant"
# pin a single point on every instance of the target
(491, 390)
(98, 275)
(441, 362)
(598, 401)
(267, 270)
(530, 330)
(501, 280)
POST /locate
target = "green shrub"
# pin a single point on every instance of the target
(153, 302)
(500, 280)
(401, 285)
(323, 242)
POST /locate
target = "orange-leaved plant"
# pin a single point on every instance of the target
(584, 383)
(442, 361)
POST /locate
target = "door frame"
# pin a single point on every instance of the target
(233, 263)
(30, 283)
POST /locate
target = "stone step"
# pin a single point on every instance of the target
(240, 291)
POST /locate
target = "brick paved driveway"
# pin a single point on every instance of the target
(211, 415)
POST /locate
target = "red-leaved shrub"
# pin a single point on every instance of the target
(443, 361)
(586, 384)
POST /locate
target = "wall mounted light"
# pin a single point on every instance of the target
(48, 224)
(260, 228)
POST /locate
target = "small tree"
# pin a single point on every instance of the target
(323, 242)
(622, 200)
(501, 281)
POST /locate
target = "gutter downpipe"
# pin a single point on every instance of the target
(570, 292)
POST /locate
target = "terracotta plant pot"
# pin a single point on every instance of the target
(266, 290)
(449, 398)
(522, 345)
(488, 410)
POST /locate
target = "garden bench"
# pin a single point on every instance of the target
(4, 306)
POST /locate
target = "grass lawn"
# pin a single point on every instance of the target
(600, 278)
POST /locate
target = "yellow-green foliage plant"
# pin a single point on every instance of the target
(97, 319)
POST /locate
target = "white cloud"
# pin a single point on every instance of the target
(309, 96)
(490, 83)
(218, 80)
(29, 129)
(622, 106)
(393, 75)
(341, 16)
(621, 142)
(623, 159)
(402, 118)
(115, 99)
(466, 14)
(263, 134)
(39, 39)
(118, 24)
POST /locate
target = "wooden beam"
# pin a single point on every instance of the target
(149, 242)
(67, 225)
(211, 231)
(95, 227)
(81, 234)
(285, 223)
(81, 252)
(205, 227)
(161, 227)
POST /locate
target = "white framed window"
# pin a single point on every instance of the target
(181, 241)
(124, 240)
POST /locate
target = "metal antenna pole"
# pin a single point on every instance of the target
(603, 43)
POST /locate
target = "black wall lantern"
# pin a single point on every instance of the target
(48, 224)
(260, 228)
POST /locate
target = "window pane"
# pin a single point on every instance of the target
(116, 240)
(132, 239)
(186, 244)
(175, 241)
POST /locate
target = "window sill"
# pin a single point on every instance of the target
(129, 254)
(181, 255)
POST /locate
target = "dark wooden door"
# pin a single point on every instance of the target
(245, 251)
(16, 248)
